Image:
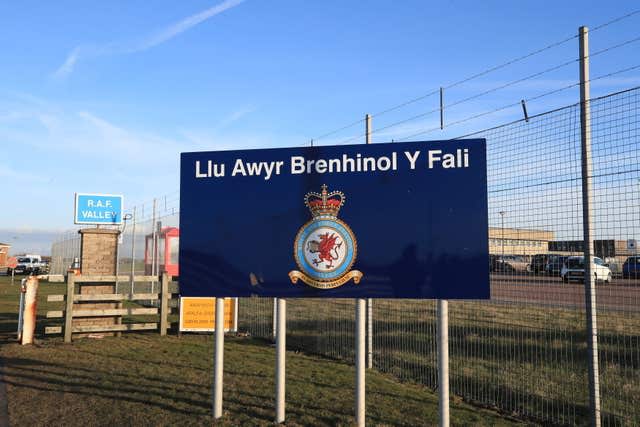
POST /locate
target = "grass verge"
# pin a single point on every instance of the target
(145, 379)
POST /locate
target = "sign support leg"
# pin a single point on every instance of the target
(361, 306)
(218, 361)
(443, 362)
(369, 333)
(281, 349)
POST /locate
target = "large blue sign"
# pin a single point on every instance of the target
(397, 220)
(98, 209)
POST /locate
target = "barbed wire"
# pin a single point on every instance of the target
(621, 71)
(477, 75)
(514, 82)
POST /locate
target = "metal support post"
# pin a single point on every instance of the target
(524, 110)
(443, 362)
(441, 108)
(118, 243)
(367, 124)
(23, 289)
(369, 333)
(133, 250)
(281, 348)
(158, 226)
(369, 300)
(218, 359)
(235, 314)
(154, 245)
(274, 317)
(360, 361)
(587, 197)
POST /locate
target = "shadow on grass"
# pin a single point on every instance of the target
(19, 373)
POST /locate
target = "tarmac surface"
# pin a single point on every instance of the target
(620, 294)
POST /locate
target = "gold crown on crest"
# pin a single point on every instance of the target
(324, 203)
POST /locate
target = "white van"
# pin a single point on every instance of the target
(28, 264)
(573, 269)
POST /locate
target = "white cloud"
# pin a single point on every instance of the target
(173, 30)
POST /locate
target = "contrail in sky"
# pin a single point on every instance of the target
(151, 41)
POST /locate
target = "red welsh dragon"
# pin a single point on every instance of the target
(326, 248)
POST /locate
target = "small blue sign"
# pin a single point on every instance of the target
(98, 209)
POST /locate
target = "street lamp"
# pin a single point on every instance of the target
(502, 221)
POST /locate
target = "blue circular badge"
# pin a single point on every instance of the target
(325, 249)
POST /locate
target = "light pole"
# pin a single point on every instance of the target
(502, 222)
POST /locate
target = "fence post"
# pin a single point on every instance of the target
(589, 282)
(154, 246)
(164, 304)
(369, 300)
(133, 250)
(68, 313)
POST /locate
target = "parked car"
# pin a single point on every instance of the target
(539, 263)
(547, 263)
(554, 264)
(27, 265)
(512, 264)
(573, 269)
(631, 268)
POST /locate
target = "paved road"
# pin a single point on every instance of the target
(620, 294)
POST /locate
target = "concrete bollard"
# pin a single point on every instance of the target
(30, 309)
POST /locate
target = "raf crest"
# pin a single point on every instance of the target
(325, 248)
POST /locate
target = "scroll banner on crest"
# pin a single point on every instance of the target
(394, 220)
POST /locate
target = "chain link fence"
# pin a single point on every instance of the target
(523, 352)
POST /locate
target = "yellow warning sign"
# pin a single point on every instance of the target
(197, 314)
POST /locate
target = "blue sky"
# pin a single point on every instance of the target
(103, 96)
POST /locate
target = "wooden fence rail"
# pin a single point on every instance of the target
(74, 309)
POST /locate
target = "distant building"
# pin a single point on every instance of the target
(606, 248)
(4, 254)
(518, 241)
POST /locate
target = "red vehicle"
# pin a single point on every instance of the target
(165, 251)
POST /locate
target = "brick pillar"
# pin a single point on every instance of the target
(98, 256)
